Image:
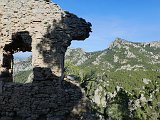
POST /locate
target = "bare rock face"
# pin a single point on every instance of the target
(41, 27)
(46, 30)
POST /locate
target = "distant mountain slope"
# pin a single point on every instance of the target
(22, 65)
(121, 55)
(77, 56)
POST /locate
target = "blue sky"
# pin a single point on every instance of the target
(133, 20)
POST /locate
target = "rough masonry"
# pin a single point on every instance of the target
(46, 30)
(41, 27)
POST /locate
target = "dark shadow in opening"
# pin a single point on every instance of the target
(21, 41)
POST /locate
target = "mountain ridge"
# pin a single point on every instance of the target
(121, 54)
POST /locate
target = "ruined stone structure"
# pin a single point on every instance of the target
(41, 27)
(46, 30)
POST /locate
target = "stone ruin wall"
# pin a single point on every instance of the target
(46, 30)
(19, 16)
(41, 27)
(43, 100)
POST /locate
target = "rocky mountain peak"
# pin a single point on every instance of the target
(118, 43)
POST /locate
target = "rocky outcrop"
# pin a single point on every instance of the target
(77, 56)
(121, 42)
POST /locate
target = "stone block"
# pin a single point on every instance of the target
(1, 86)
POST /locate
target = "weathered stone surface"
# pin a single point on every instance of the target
(38, 101)
(41, 27)
(1, 86)
(45, 29)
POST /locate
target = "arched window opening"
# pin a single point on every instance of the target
(21, 46)
(21, 42)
